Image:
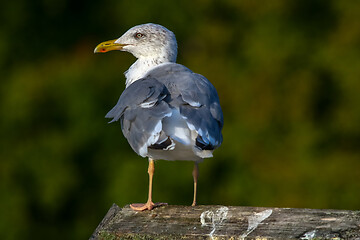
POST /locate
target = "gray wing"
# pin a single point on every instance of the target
(141, 109)
(197, 101)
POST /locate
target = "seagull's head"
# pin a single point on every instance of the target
(145, 41)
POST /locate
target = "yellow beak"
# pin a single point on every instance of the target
(108, 46)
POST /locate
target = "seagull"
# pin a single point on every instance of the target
(166, 111)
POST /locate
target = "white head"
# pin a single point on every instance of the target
(150, 41)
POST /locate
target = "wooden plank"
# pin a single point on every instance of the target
(228, 222)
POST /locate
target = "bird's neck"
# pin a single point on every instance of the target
(143, 65)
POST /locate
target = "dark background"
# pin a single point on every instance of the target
(287, 73)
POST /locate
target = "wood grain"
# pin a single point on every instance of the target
(228, 222)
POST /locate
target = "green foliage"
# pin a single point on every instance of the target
(287, 73)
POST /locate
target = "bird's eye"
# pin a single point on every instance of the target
(138, 35)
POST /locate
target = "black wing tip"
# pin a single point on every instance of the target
(202, 145)
(162, 145)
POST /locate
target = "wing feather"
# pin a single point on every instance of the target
(141, 109)
(197, 101)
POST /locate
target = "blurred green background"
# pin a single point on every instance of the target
(288, 77)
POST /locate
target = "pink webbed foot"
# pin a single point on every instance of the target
(146, 206)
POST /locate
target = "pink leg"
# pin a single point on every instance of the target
(149, 205)
(195, 174)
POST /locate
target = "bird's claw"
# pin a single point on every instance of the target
(146, 206)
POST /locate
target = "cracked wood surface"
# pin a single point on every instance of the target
(228, 222)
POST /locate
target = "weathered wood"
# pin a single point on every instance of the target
(221, 222)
